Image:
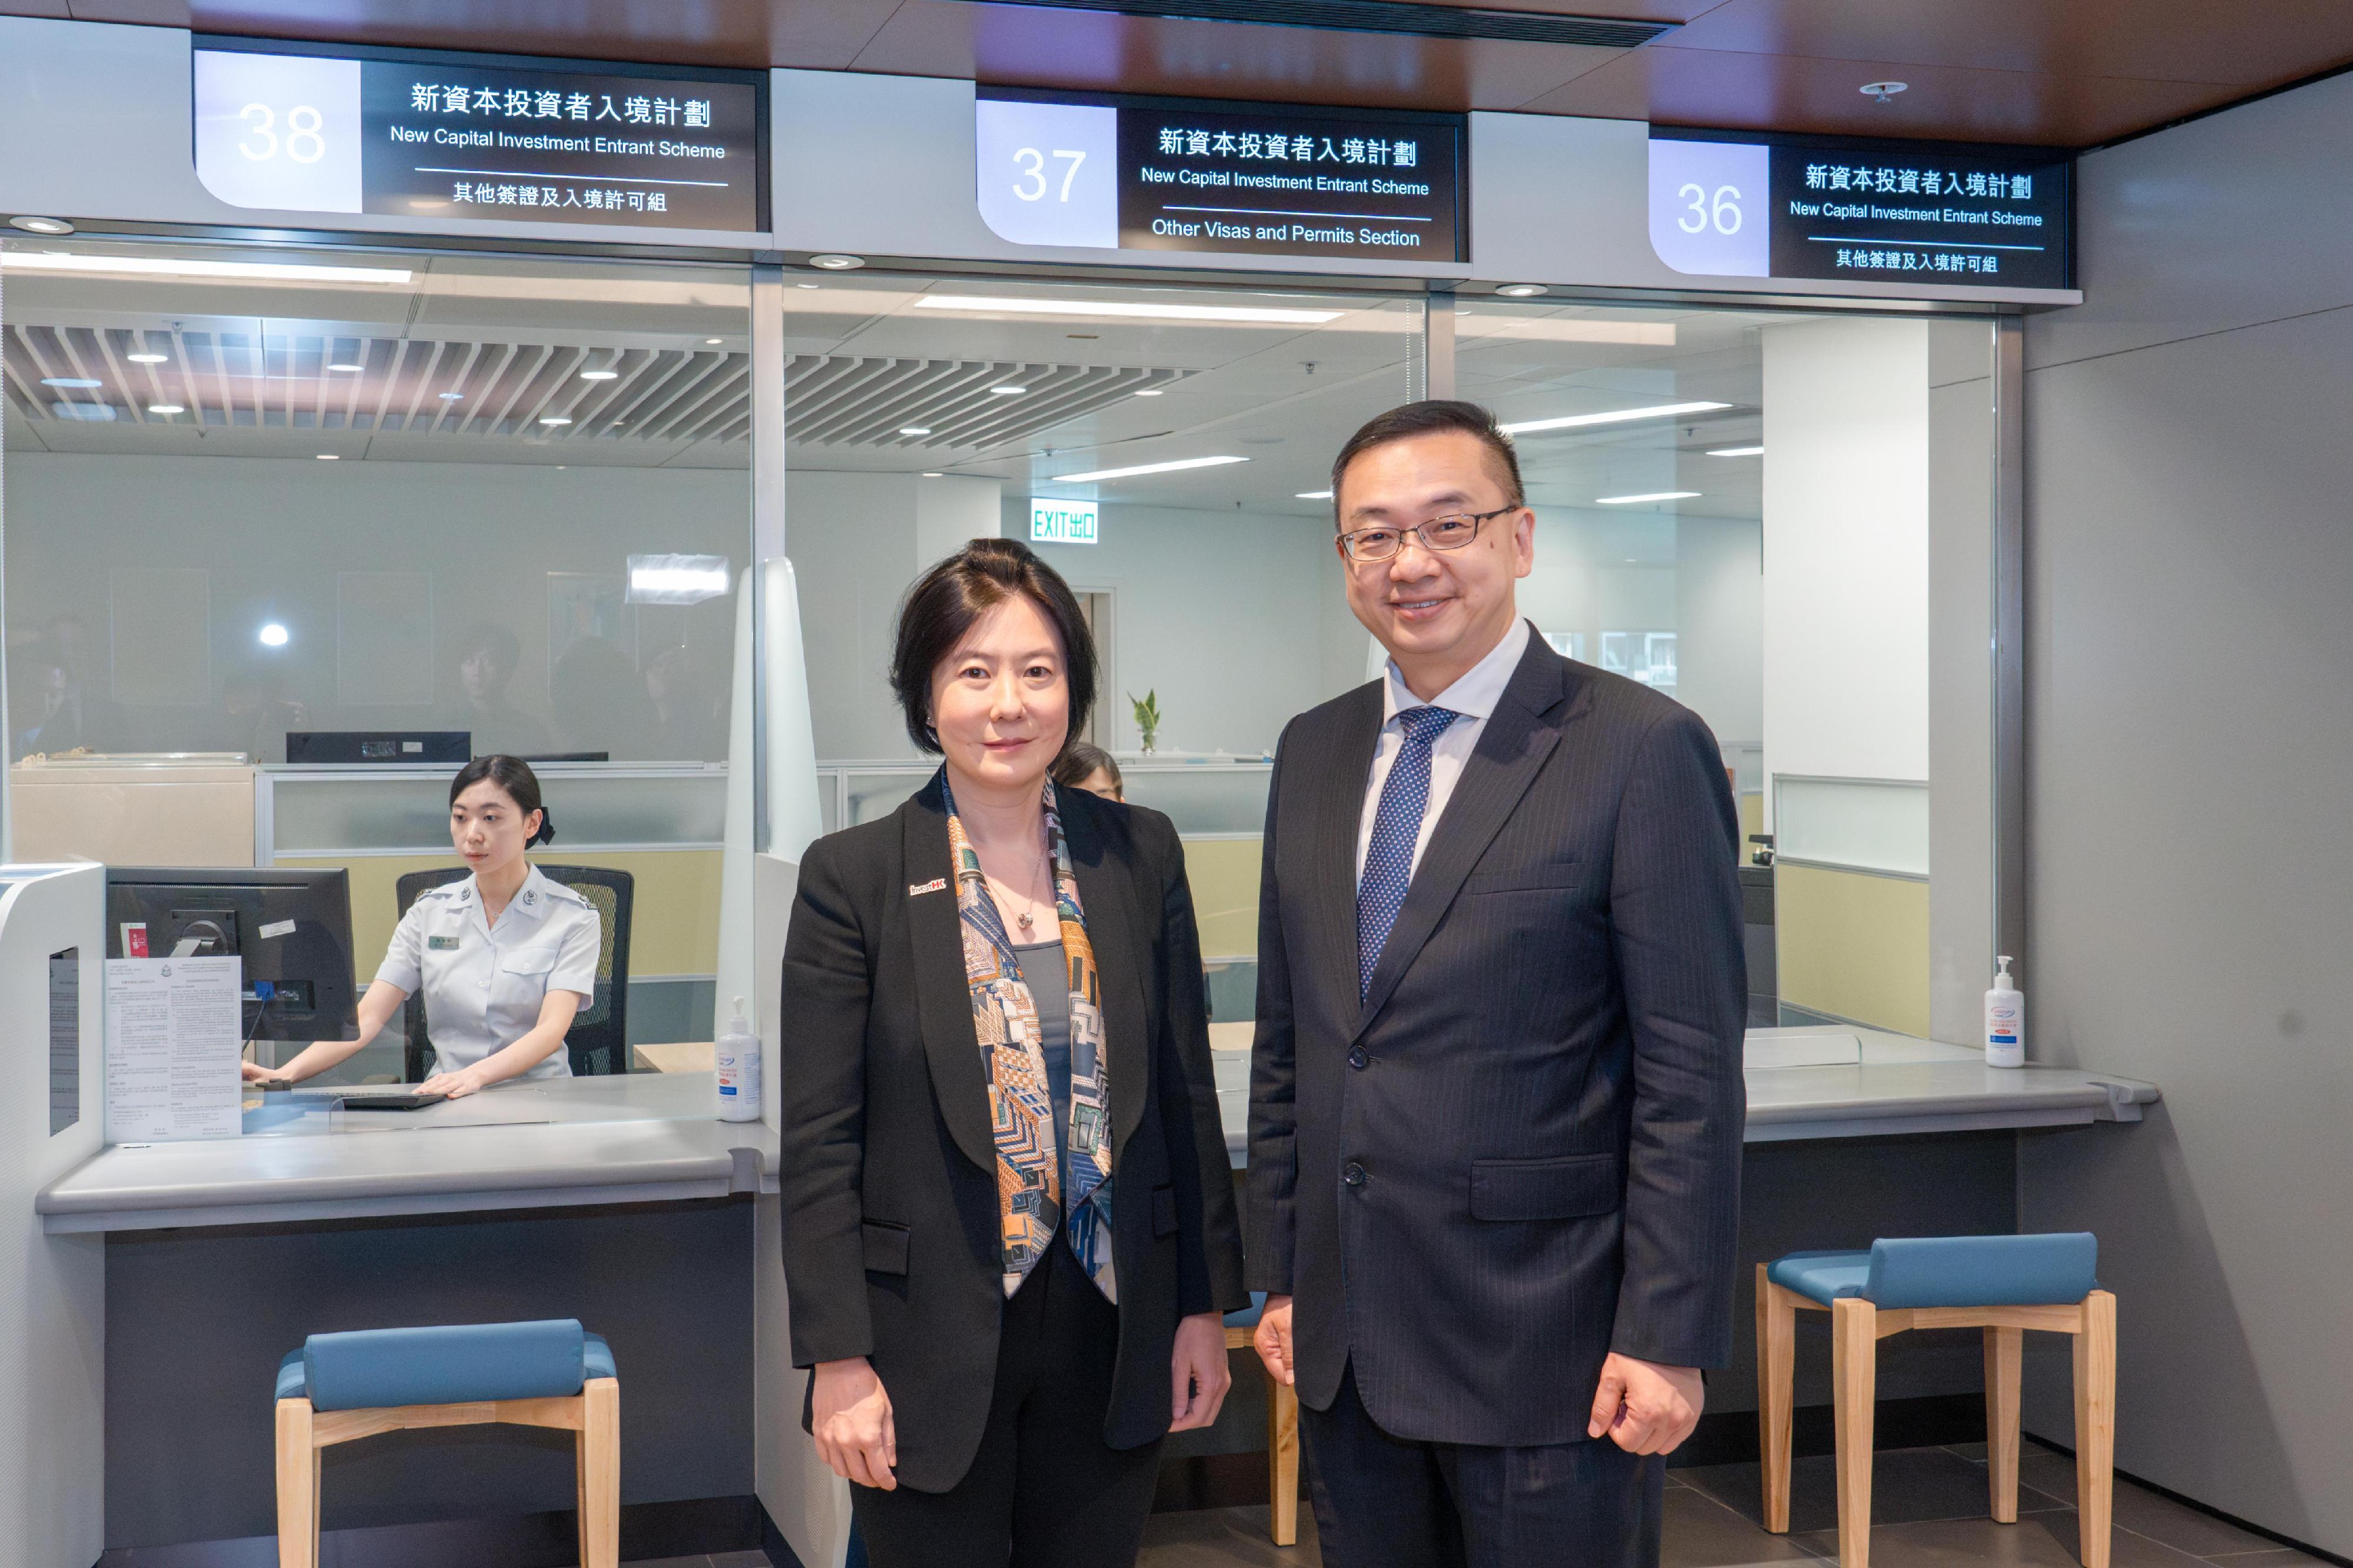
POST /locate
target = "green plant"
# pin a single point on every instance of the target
(1147, 718)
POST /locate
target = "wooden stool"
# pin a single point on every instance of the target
(2002, 1284)
(339, 1387)
(1281, 1428)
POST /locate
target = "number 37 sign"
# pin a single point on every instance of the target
(1709, 208)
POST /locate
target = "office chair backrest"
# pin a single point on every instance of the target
(597, 1042)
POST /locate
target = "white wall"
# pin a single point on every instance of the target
(2191, 884)
(1846, 536)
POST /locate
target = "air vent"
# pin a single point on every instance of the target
(656, 400)
(1387, 16)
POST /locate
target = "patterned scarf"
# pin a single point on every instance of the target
(1021, 1105)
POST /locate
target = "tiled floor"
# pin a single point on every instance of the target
(1928, 1510)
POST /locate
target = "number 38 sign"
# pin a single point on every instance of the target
(279, 131)
(1709, 210)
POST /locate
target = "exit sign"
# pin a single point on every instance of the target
(1062, 522)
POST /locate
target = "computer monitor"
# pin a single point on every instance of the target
(386, 746)
(292, 930)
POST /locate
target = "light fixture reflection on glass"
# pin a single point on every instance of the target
(221, 271)
(713, 342)
(679, 579)
(348, 369)
(1148, 392)
(600, 376)
(1610, 417)
(1009, 391)
(79, 382)
(932, 474)
(331, 457)
(553, 419)
(1736, 452)
(165, 408)
(149, 359)
(915, 429)
(1089, 309)
(1314, 495)
(451, 396)
(1176, 466)
(273, 636)
(1638, 500)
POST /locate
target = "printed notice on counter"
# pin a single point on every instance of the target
(172, 1048)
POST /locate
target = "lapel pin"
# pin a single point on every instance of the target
(935, 885)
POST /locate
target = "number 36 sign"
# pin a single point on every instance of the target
(1709, 210)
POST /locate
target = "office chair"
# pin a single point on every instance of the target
(597, 1042)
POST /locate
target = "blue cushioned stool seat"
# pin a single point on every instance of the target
(1247, 1317)
(1948, 1271)
(378, 1369)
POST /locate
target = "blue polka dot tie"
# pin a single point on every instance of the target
(1397, 825)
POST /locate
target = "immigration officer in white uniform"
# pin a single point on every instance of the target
(504, 959)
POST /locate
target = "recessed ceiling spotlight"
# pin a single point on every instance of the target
(165, 408)
(1651, 496)
(555, 419)
(1736, 452)
(271, 636)
(600, 376)
(836, 262)
(41, 224)
(915, 429)
(451, 396)
(149, 359)
(714, 343)
(1148, 392)
(78, 383)
(1520, 290)
(346, 367)
(1009, 391)
(1884, 91)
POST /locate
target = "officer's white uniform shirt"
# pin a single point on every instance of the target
(482, 984)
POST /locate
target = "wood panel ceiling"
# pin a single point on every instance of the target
(2058, 72)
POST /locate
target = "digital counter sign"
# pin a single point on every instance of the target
(462, 137)
(1145, 175)
(1880, 211)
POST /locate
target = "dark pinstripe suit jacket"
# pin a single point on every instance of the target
(1522, 1149)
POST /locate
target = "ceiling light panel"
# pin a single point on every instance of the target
(1174, 467)
(1611, 416)
(194, 268)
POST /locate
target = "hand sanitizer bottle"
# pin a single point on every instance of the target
(738, 1060)
(2005, 1021)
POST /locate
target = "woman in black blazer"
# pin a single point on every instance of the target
(1010, 1226)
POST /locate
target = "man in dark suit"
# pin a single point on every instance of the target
(1496, 1100)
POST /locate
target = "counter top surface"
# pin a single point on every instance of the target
(654, 1137)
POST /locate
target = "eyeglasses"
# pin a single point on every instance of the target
(1452, 532)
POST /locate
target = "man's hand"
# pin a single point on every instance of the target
(1198, 1375)
(1646, 1408)
(1272, 1340)
(849, 1416)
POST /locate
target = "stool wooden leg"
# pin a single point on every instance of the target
(2002, 1360)
(297, 1486)
(2096, 1426)
(600, 1483)
(1777, 1368)
(1282, 1460)
(1854, 1378)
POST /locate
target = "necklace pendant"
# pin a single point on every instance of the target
(1024, 919)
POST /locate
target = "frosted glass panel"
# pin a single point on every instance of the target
(1209, 797)
(388, 809)
(1870, 825)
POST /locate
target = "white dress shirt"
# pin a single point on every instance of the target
(1474, 697)
(483, 983)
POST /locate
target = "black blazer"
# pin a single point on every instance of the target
(1522, 1149)
(890, 1232)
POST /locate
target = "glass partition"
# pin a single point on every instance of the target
(291, 532)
